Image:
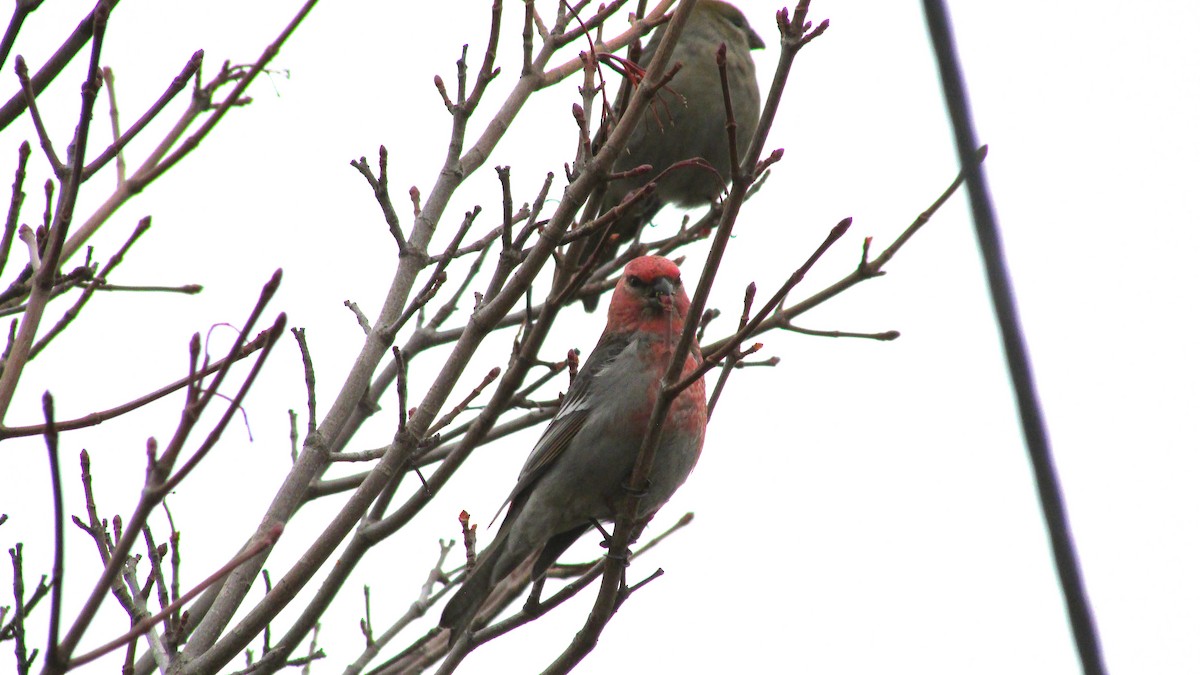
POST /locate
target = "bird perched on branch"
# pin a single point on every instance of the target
(578, 470)
(687, 120)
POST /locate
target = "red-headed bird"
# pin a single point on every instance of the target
(577, 470)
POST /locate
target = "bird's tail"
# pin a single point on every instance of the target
(474, 591)
(493, 566)
(590, 302)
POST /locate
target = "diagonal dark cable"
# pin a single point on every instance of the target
(1053, 510)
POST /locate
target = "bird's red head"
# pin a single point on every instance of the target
(649, 291)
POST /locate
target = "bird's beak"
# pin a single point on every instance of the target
(756, 42)
(662, 290)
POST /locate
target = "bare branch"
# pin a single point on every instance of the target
(93, 419)
(14, 205)
(69, 315)
(146, 624)
(53, 658)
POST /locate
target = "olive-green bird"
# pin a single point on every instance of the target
(687, 120)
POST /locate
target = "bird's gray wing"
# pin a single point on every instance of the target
(572, 414)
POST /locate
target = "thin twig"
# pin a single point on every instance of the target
(69, 315)
(425, 598)
(866, 269)
(96, 418)
(449, 417)
(710, 361)
(39, 126)
(53, 658)
(885, 336)
(54, 65)
(159, 480)
(43, 281)
(21, 10)
(159, 161)
(14, 205)
(148, 623)
(119, 142)
(310, 377)
(380, 187)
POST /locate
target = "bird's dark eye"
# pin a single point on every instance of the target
(634, 282)
(735, 18)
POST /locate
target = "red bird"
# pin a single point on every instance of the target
(576, 472)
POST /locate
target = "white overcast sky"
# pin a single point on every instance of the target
(864, 507)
